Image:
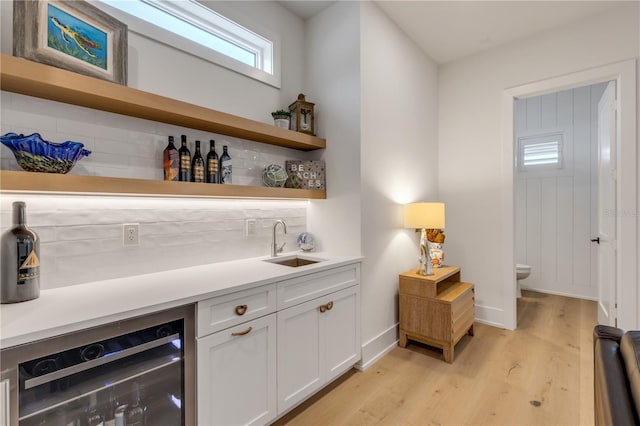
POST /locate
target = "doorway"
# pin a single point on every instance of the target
(624, 74)
(556, 190)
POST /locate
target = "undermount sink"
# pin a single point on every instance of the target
(293, 262)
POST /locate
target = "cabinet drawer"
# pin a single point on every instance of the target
(226, 311)
(462, 303)
(297, 290)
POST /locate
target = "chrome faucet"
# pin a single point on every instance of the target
(274, 244)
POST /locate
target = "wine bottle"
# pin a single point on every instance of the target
(213, 169)
(184, 171)
(112, 406)
(119, 415)
(94, 417)
(226, 167)
(136, 414)
(20, 260)
(197, 165)
(171, 161)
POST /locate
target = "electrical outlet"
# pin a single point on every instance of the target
(130, 234)
(250, 228)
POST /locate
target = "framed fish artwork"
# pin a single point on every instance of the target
(73, 35)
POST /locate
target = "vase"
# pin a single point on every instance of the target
(283, 123)
(437, 254)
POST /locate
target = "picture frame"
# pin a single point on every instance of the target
(73, 35)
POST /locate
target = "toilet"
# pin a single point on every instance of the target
(522, 272)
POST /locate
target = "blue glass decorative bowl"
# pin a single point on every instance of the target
(34, 154)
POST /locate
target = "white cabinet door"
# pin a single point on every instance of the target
(317, 341)
(340, 327)
(237, 374)
(299, 373)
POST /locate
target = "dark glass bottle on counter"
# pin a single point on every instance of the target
(136, 413)
(213, 166)
(184, 172)
(171, 161)
(20, 260)
(226, 167)
(197, 165)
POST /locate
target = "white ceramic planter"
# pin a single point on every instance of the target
(281, 122)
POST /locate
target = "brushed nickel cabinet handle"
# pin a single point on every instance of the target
(242, 333)
(241, 310)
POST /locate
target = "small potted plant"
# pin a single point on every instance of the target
(281, 118)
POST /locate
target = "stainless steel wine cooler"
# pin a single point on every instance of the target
(135, 372)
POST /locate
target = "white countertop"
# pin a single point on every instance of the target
(72, 308)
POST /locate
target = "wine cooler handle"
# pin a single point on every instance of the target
(5, 413)
(242, 333)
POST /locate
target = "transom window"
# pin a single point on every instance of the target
(540, 151)
(194, 28)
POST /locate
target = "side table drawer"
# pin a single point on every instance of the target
(462, 314)
(462, 303)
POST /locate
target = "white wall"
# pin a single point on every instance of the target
(87, 231)
(333, 83)
(157, 68)
(364, 74)
(556, 208)
(398, 165)
(470, 135)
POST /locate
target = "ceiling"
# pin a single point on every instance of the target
(450, 30)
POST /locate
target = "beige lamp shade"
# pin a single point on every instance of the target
(424, 216)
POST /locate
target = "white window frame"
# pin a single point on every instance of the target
(266, 47)
(536, 139)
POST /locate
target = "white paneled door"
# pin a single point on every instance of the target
(556, 190)
(606, 238)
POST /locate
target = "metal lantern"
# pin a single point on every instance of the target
(302, 119)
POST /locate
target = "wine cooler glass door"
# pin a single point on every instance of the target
(127, 376)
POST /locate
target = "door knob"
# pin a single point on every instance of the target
(595, 240)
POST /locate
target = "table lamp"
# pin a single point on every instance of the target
(424, 216)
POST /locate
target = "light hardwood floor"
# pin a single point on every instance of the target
(539, 374)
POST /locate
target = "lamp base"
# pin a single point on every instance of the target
(425, 270)
(426, 265)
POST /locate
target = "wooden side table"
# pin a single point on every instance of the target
(436, 309)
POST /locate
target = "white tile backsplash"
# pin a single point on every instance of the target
(81, 236)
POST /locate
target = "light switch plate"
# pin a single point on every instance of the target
(250, 228)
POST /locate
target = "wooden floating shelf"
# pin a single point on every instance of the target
(30, 78)
(51, 183)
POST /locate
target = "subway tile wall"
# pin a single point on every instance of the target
(81, 236)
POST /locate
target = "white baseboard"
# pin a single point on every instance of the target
(490, 316)
(379, 346)
(559, 293)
